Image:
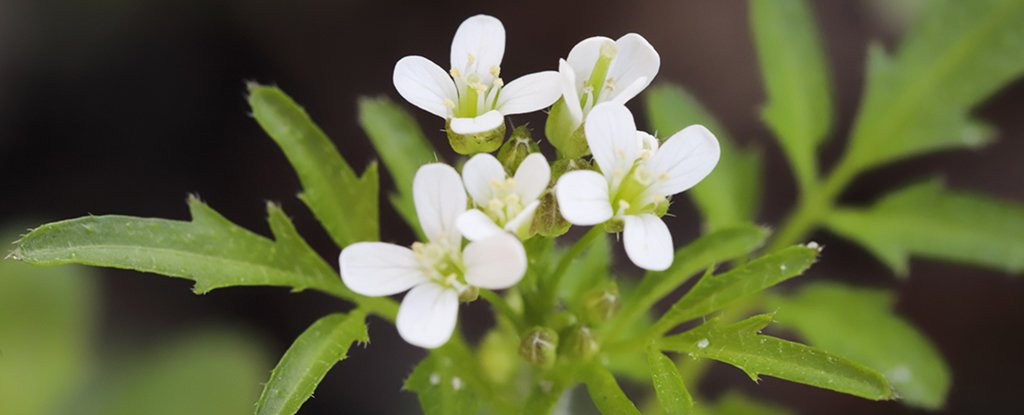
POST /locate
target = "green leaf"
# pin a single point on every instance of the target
(343, 202)
(443, 383)
(588, 271)
(715, 292)
(930, 221)
(47, 322)
(719, 246)
(958, 54)
(402, 148)
(730, 194)
(826, 313)
(305, 364)
(795, 74)
(209, 250)
(675, 399)
(606, 393)
(734, 403)
(741, 344)
(211, 372)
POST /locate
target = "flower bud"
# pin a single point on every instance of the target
(601, 303)
(469, 144)
(565, 133)
(519, 145)
(539, 346)
(581, 343)
(548, 220)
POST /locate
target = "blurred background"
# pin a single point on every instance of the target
(127, 106)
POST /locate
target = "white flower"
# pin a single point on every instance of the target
(636, 181)
(600, 69)
(502, 202)
(471, 94)
(435, 272)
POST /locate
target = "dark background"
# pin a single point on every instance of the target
(125, 106)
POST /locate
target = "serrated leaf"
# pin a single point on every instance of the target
(716, 247)
(740, 344)
(402, 148)
(826, 313)
(957, 55)
(929, 221)
(443, 384)
(209, 250)
(215, 371)
(715, 292)
(307, 361)
(47, 322)
(730, 195)
(672, 394)
(796, 80)
(346, 204)
(606, 393)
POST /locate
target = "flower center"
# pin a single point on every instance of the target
(505, 203)
(599, 80)
(442, 264)
(632, 196)
(475, 96)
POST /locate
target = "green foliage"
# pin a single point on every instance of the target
(737, 404)
(826, 314)
(209, 250)
(47, 319)
(306, 363)
(209, 372)
(675, 399)
(741, 344)
(731, 194)
(796, 80)
(930, 221)
(402, 148)
(346, 204)
(713, 248)
(715, 292)
(443, 384)
(606, 393)
(958, 54)
(589, 270)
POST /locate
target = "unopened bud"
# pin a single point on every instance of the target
(483, 142)
(519, 145)
(539, 346)
(601, 303)
(565, 133)
(548, 220)
(581, 343)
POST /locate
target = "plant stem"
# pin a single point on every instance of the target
(502, 307)
(814, 205)
(551, 283)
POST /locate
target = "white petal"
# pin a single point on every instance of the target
(611, 134)
(630, 91)
(530, 93)
(476, 225)
(648, 143)
(481, 123)
(425, 85)
(569, 93)
(440, 199)
(427, 315)
(583, 197)
(584, 55)
(648, 242)
(683, 160)
(496, 262)
(636, 60)
(520, 224)
(376, 268)
(483, 37)
(532, 177)
(479, 173)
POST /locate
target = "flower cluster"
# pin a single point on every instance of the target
(629, 192)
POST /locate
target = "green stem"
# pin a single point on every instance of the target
(815, 203)
(502, 307)
(551, 283)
